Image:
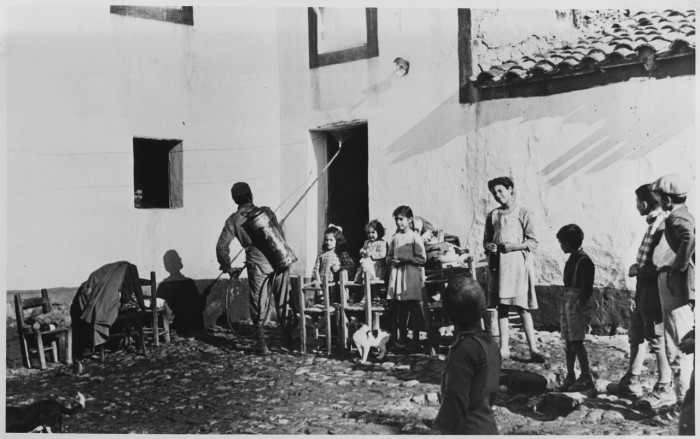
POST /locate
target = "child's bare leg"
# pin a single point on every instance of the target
(416, 320)
(503, 331)
(665, 373)
(637, 353)
(526, 318)
(403, 322)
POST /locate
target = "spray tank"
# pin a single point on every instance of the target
(267, 236)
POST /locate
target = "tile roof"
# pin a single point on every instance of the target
(631, 40)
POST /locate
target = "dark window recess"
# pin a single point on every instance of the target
(171, 14)
(157, 173)
(367, 50)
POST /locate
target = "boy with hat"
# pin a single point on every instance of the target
(674, 258)
(260, 272)
(470, 382)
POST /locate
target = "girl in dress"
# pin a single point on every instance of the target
(509, 239)
(333, 256)
(373, 253)
(406, 255)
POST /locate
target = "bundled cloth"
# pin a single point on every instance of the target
(98, 301)
(48, 321)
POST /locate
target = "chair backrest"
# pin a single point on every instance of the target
(22, 304)
(151, 283)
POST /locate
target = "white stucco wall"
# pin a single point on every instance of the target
(578, 157)
(82, 84)
(575, 157)
(237, 89)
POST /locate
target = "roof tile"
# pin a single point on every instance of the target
(631, 39)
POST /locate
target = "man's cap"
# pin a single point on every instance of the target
(240, 188)
(672, 184)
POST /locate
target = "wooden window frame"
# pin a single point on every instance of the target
(159, 13)
(366, 51)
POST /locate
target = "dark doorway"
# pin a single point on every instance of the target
(348, 199)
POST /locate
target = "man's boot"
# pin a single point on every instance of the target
(261, 347)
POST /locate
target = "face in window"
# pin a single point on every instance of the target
(138, 197)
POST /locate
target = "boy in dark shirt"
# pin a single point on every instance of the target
(470, 381)
(576, 307)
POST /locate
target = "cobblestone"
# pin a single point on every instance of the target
(213, 384)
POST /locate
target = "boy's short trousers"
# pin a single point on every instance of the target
(574, 319)
(646, 321)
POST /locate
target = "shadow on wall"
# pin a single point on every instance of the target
(374, 90)
(446, 122)
(611, 142)
(182, 295)
(620, 129)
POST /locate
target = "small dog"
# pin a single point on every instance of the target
(365, 338)
(46, 415)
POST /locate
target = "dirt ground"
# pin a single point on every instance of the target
(214, 384)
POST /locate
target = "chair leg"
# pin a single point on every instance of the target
(297, 285)
(166, 326)
(156, 335)
(40, 348)
(54, 351)
(143, 340)
(102, 352)
(69, 346)
(25, 352)
(342, 331)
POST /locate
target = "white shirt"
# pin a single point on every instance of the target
(664, 256)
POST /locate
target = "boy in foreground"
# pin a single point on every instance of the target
(470, 381)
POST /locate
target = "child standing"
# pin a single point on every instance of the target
(333, 256)
(470, 382)
(576, 307)
(406, 255)
(674, 258)
(646, 321)
(373, 253)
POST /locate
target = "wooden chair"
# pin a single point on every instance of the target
(372, 311)
(159, 316)
(131, 321)
(31, 340)
(430, 309)
(325, 310)
(128, 322)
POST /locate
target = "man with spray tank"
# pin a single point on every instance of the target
(268, 261)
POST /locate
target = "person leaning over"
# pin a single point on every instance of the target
(470, 381)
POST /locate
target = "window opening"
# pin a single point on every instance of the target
(157, 173)
(338, 35)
